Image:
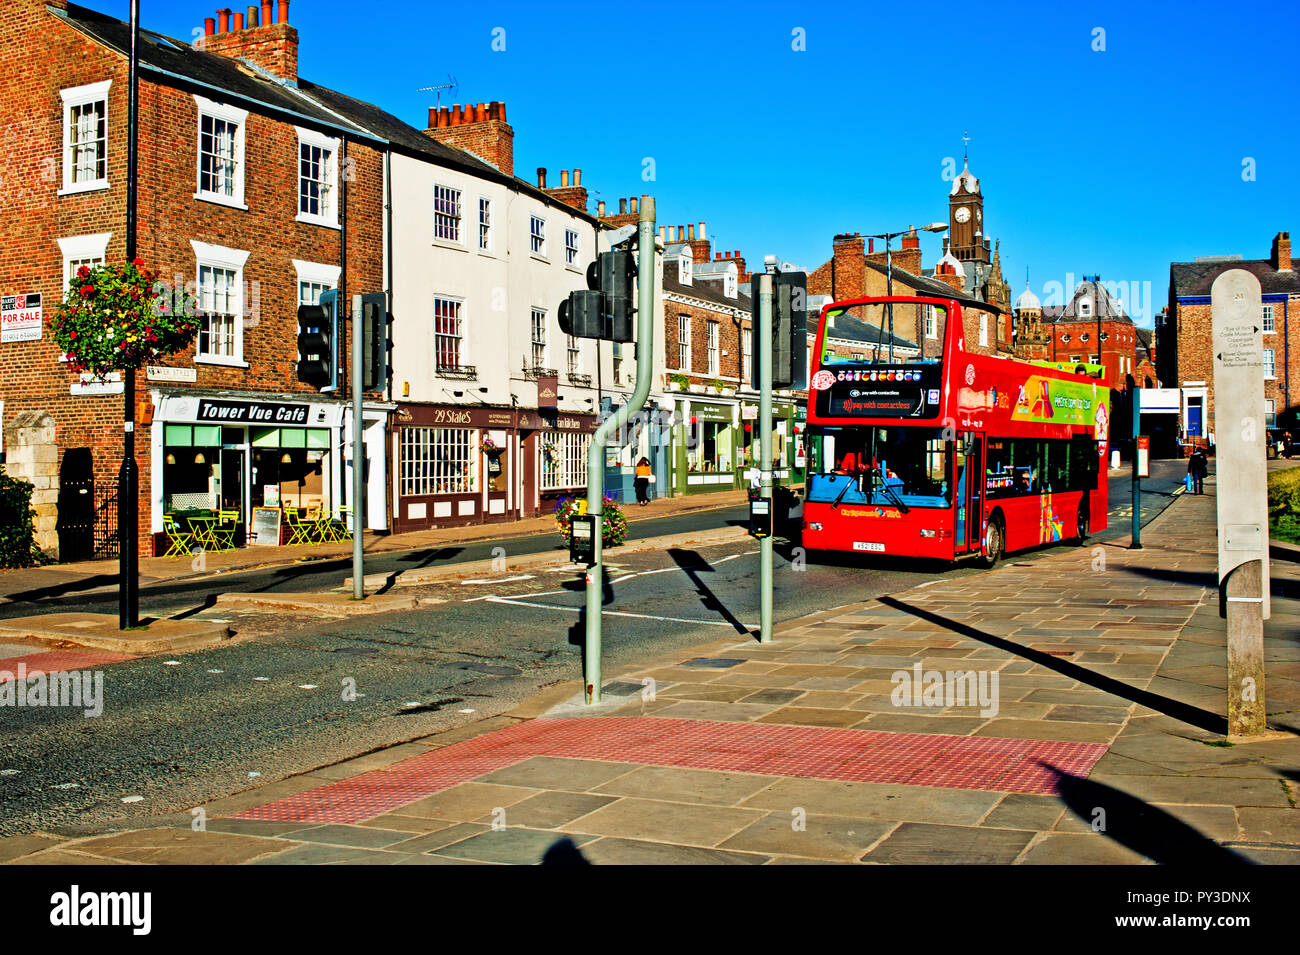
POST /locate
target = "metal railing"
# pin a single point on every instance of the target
(533, 372)
(462, 372)
(106, 541)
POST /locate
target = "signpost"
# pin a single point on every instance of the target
(1242, 494)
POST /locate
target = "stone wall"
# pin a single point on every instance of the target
(32, 455)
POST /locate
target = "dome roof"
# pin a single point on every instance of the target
(965, 181)
(1028, 299)
(950, 266)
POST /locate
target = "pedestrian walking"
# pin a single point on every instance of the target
(642, 481)
(1197, 467)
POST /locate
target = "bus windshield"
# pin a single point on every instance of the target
(858, 333)
(902, 466)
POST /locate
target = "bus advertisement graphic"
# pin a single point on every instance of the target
(1053, 401)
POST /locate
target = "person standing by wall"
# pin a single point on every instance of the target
(1197, 468)
(642, 481)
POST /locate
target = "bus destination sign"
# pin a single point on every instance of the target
(892, 391)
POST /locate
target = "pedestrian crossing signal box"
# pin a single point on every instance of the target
(582, 540)
(760, 517)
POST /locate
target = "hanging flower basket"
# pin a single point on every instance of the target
(488, 446)
(122, 317)
(613, 522)
(551, 452)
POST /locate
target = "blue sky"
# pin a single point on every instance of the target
(1113, 162)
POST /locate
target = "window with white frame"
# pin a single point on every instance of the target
(930, 329)
(570, 246)
(317, 178)
(574, 355)
(1268, 319)
(713, 348)
(1085, 308)
(618, 362)
(85, 137)
(984, 330)
(446, 213)
(539, 337)
(79, 250)
(1270, 369)
(537, 235)
(1270, 413)
(564, 459)
(746, 355)
(484, 224)
(436, 461)
(685, 269)
(220, 303)
(221, 152)
(313, 279)
(684, 342)
(448, 335)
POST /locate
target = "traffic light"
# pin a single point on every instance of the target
(789, 330)
(316, 324)
(605, 309)
(375, 344)
(618, 289)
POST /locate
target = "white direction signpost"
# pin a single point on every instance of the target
(1242, 497)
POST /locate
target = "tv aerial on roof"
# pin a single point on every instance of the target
(451, 84)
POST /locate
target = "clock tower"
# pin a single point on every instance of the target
(966, 218)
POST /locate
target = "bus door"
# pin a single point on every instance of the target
(969, 498)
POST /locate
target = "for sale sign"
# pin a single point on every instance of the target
(20, 317)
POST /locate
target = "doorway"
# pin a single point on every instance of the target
(970, 492)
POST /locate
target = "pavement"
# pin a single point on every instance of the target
(1068, 709)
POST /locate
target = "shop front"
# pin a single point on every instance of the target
(223, 457)
(788, 451)
(706, 447)
(553, 448)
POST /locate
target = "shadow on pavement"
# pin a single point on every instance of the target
(61, 590)
(691, 563)
(1192, 715)
(1140, 826)
(564, 852)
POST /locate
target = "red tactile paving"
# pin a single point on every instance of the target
(58, 661)
(918, 759)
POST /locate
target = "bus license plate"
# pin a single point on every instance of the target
(869, 545)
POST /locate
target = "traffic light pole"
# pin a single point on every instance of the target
(358, 454)
(765, 456)
(612, 424)
(1135, 395)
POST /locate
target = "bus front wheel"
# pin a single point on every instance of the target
(994, 543)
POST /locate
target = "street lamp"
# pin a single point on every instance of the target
(889, 272)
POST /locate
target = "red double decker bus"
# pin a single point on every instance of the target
(924, 449)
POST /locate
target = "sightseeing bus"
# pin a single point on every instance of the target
(929, 450)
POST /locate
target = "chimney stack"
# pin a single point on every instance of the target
(480, 130)
(272, 47)
(571, 195)
(1282, 252)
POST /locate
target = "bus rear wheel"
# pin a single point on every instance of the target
(994, 543)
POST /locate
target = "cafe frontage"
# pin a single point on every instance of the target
(240, 470)
(456, 465)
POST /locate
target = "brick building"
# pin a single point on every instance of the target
(249, 186)
(1184, 335)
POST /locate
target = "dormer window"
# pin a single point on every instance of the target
(1085, 308)
(729, 285)
(684, 269)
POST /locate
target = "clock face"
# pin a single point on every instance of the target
(963, 214)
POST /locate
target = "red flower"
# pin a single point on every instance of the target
(138, 263)
(87, 290)
(83, 272)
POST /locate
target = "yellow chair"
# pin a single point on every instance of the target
(179, 541)
(343, 527)
(223, 533)
(299, 530)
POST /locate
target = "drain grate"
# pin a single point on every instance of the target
(622, 688)
(714, 663)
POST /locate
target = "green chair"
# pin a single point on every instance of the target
(179, 541)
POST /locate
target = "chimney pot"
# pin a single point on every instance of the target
(541, 177)
(690, 232)
(622, 207)
(633, 205)
(480, 112)
(717, 256)
(209, 26)
(871, 244)
(251, 19)
(577, 177)
(284, 11)
(701, 232)
(237, 24)
(267, 17)
(600, 209)
(564, 179)
(662, 234)
(223, 21)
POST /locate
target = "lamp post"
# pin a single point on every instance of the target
(889, 272)
(128, 482)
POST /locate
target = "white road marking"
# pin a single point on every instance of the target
(308, 686)
(216, 671)
(10, 772)
(464, 711)
(501, 580)
(171, 663)
(132, 799)
(262, 679)
(67, 785)
(544, 593)
(618, 613)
